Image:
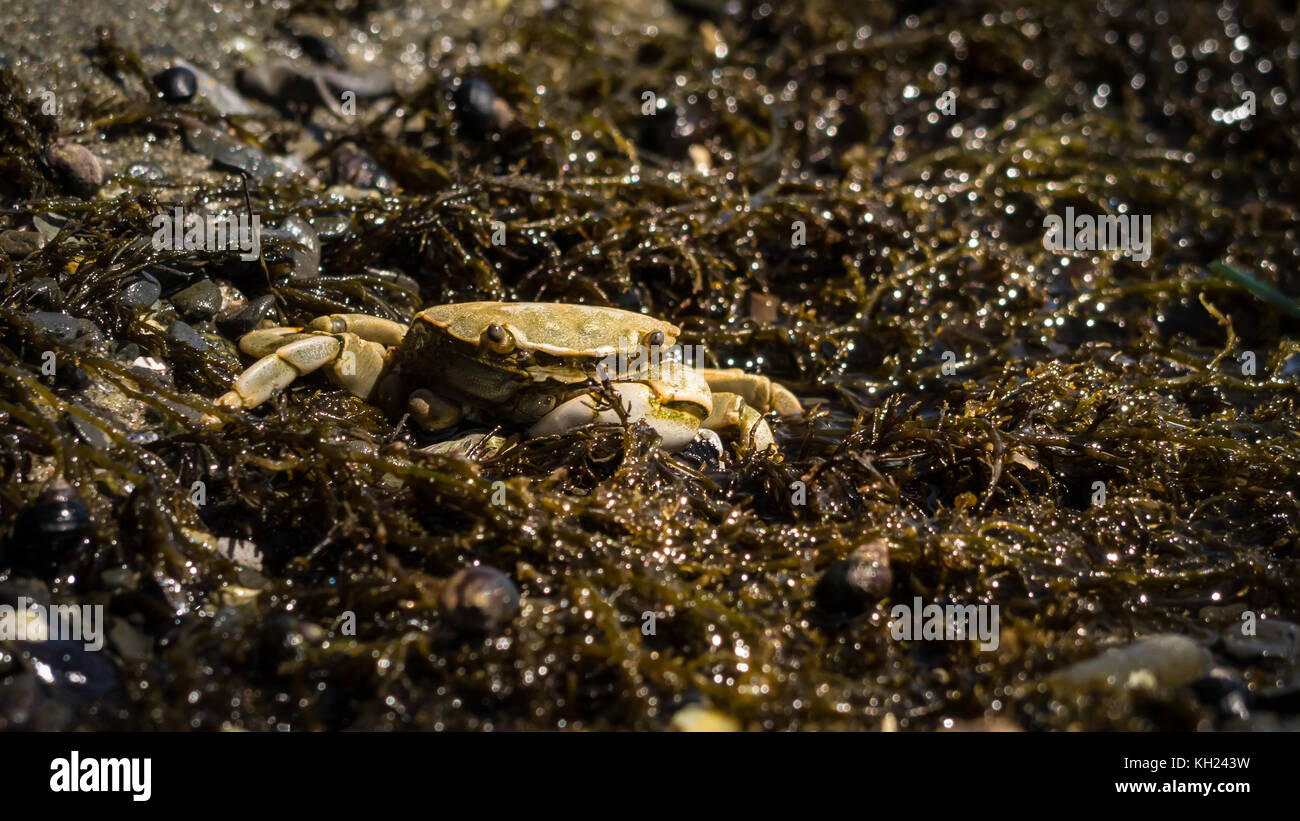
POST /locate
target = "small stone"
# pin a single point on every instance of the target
(320, 50)
(89, 332)
(697, 719)
(293, 249)
(1166, 660)
(49, 224)
(351, 166)
(479, 599)
(248, 318)
(1272, 639)
(1223, 689)
(130, 644)
(232, 300)
(146, 172)
(20, 244)
(139, 291)
(43, 292)
(55, 325)
(201, 300)
(849, 585)
(185, 335)
(176, 84)
(83, 172)
(224, 150)
(72, 378)
(55, 527)
(479, 108)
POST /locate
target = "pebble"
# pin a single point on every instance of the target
(83, 172)
(850, 585)
(293, 249)
(20, 244)
(139, 291)
(71, 377)
(42, 292)
(479, 108)
(248, 318)
(88, 332)
(222, 98)
(1273, 639)
(70, 669)
(1165, 660)
(202, 300)
(55, 526)
(225, 151)
(320, 50)
(49, 224)
(186, 335)
(177, 84)
(55, 325)
(353, 167)
(146, 172)
(697, 719)
(1223, 689)
(672, 130)
(479, 599)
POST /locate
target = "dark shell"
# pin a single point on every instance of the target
(320, 50)
(850, 584)
(56, 525)
(70, 669)
(177, 84)
(672, 130)
(287, 638)
(479, 109)
(479, 599)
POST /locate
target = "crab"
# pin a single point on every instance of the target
(545, 365)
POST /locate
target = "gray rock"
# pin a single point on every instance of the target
(1165, 660)
(185, 335)
(1272, 639)
(20, 244)
(146, 172)
(849, 585)
(224, 150)
(139, 291)
(49, 224)
(88, 331)
(43, 292)
(55, 325)
(201, 300)
(293, 248)
(248, 318)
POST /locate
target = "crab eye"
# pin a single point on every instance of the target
(655, 339)
(498, 339)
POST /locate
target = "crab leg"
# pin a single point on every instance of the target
(286, 355)
(276, 371)
(757, 390)
(732, 411)
(266, 341)
(370, 328)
